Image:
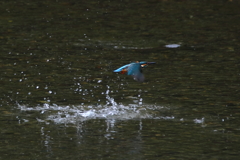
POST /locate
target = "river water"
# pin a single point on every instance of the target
(60, 98)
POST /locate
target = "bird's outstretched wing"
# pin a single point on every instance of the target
(135, 71)
(122, 68)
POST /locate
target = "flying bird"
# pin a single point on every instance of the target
(134, 69)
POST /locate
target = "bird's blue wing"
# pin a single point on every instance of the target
(123, 67)
(135, 71)
(134, 68)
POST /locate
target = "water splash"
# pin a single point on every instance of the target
(110, 111)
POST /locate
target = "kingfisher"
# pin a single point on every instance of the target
(134, 69)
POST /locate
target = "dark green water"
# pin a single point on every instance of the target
(61, 100)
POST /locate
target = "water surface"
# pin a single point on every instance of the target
(61, 100)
